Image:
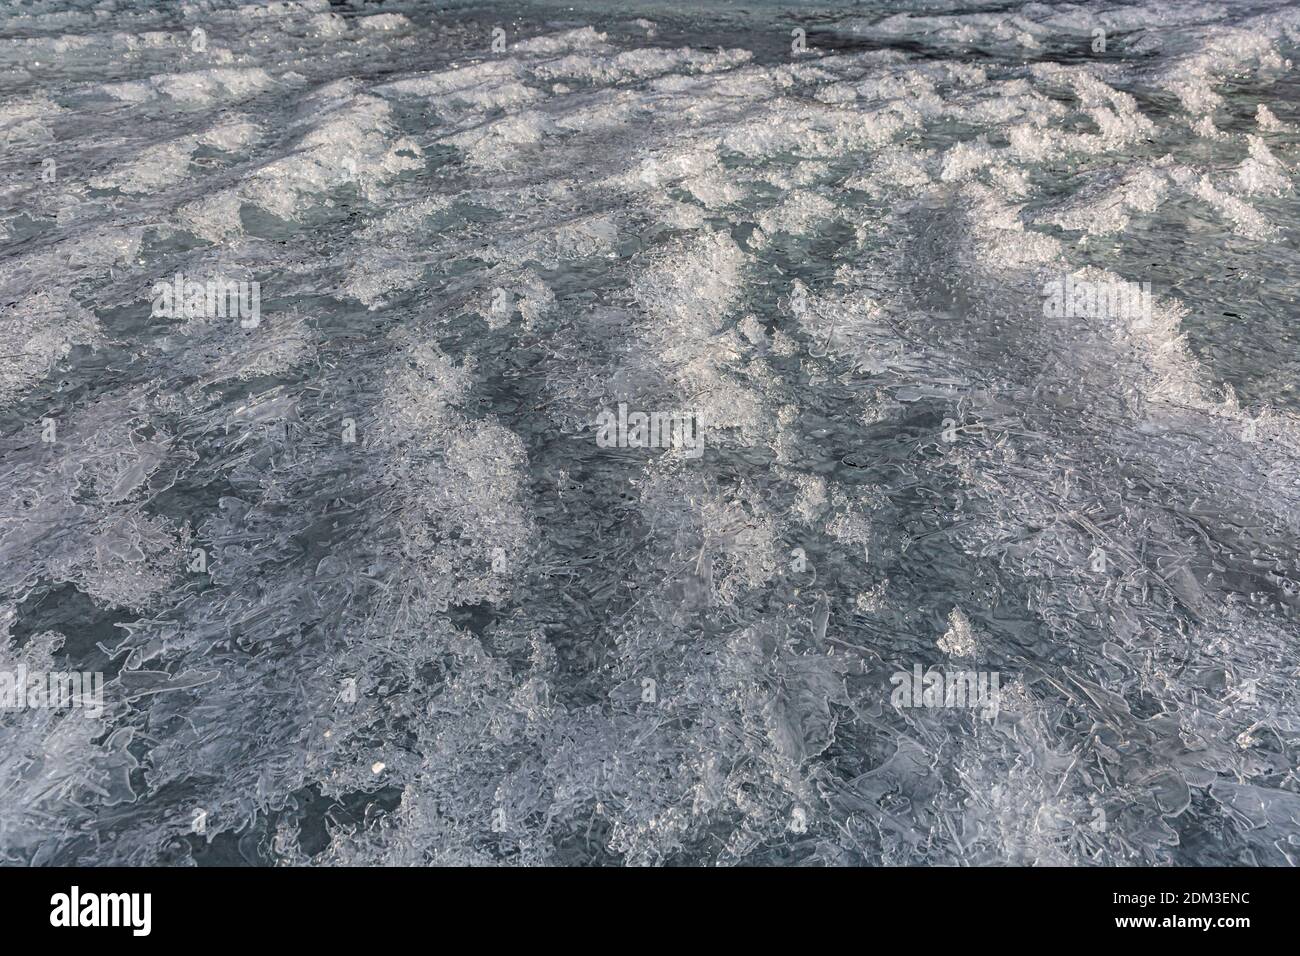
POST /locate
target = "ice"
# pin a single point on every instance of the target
(1195, 76)
(583, 38)
(364, 584)
(38, 331)
(1106, 207)
(384, 21)
(1262, 172)
(799, 213)
(1245, 219)
(1268, 120)
(198, 88)
(957, 641)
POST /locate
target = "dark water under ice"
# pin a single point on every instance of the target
(363, 583)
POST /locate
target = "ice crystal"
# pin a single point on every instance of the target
(365, 581)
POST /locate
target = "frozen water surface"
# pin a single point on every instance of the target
(366, 585)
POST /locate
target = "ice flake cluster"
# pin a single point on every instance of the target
(365, 588)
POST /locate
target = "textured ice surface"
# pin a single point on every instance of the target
(366, 588)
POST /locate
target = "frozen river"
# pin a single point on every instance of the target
(650, 433)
